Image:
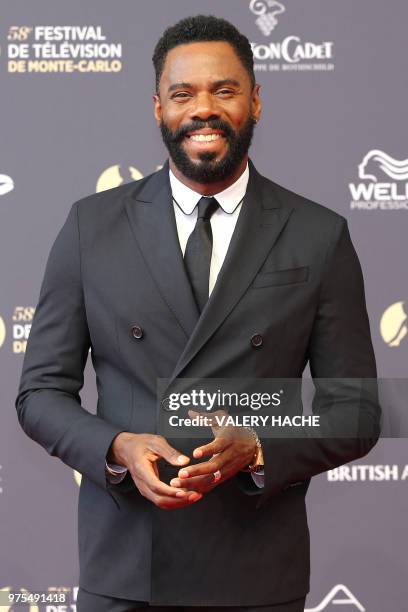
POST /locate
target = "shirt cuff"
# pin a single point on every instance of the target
(115, 473)
(259, 478)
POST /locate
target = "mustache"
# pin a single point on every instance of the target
(215, 124)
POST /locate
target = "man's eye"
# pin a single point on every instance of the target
(225, 91)
(181, 94)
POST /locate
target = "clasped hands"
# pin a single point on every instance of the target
(231, 450)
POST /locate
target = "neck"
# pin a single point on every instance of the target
(209, 189)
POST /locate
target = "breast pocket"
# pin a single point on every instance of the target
(281, 277)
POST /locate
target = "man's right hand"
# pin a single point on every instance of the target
(139, 453)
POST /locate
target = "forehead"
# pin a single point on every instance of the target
(202, 61)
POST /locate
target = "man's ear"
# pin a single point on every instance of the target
(157, 108)
(256, 105)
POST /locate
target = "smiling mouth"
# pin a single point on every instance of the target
(204, 137)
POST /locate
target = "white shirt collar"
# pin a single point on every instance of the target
(228, 199)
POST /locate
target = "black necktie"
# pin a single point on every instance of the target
(197, 257)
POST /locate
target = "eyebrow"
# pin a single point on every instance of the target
(215, 85)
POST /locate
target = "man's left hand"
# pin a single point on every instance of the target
(232, 449)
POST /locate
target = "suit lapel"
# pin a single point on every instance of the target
(261, 220)
(151, 215)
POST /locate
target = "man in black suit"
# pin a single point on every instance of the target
(203, 270)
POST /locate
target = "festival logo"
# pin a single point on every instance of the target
(39, 49)
(22, 319)
(2, 332)
(394, 324)
(6, 184)
(77, 477)
(117, 175)
(383, 183)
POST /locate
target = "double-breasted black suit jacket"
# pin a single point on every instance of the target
(291, 276)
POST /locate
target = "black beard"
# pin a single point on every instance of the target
(207, 170)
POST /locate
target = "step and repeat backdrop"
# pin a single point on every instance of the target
(76, 82)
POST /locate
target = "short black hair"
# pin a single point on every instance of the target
(202, 28)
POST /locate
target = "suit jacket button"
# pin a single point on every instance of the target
(165, 403)
(137, 332)
(257, 340)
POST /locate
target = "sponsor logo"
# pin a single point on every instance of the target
(54, 49)
(340, 595)
(6, 184)
(394, 324)
(376, 191)
(394, 168)
(267, 12)
(292, 50)
(292, 53)
(368, 473)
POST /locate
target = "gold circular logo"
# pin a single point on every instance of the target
(394, 324)
(115, 176)
(6, 184)
(77, 477)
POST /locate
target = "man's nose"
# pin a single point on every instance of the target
(205, 108)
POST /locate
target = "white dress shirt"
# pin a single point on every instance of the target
(223, 223)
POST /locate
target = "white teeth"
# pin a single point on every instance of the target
(205, 137)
